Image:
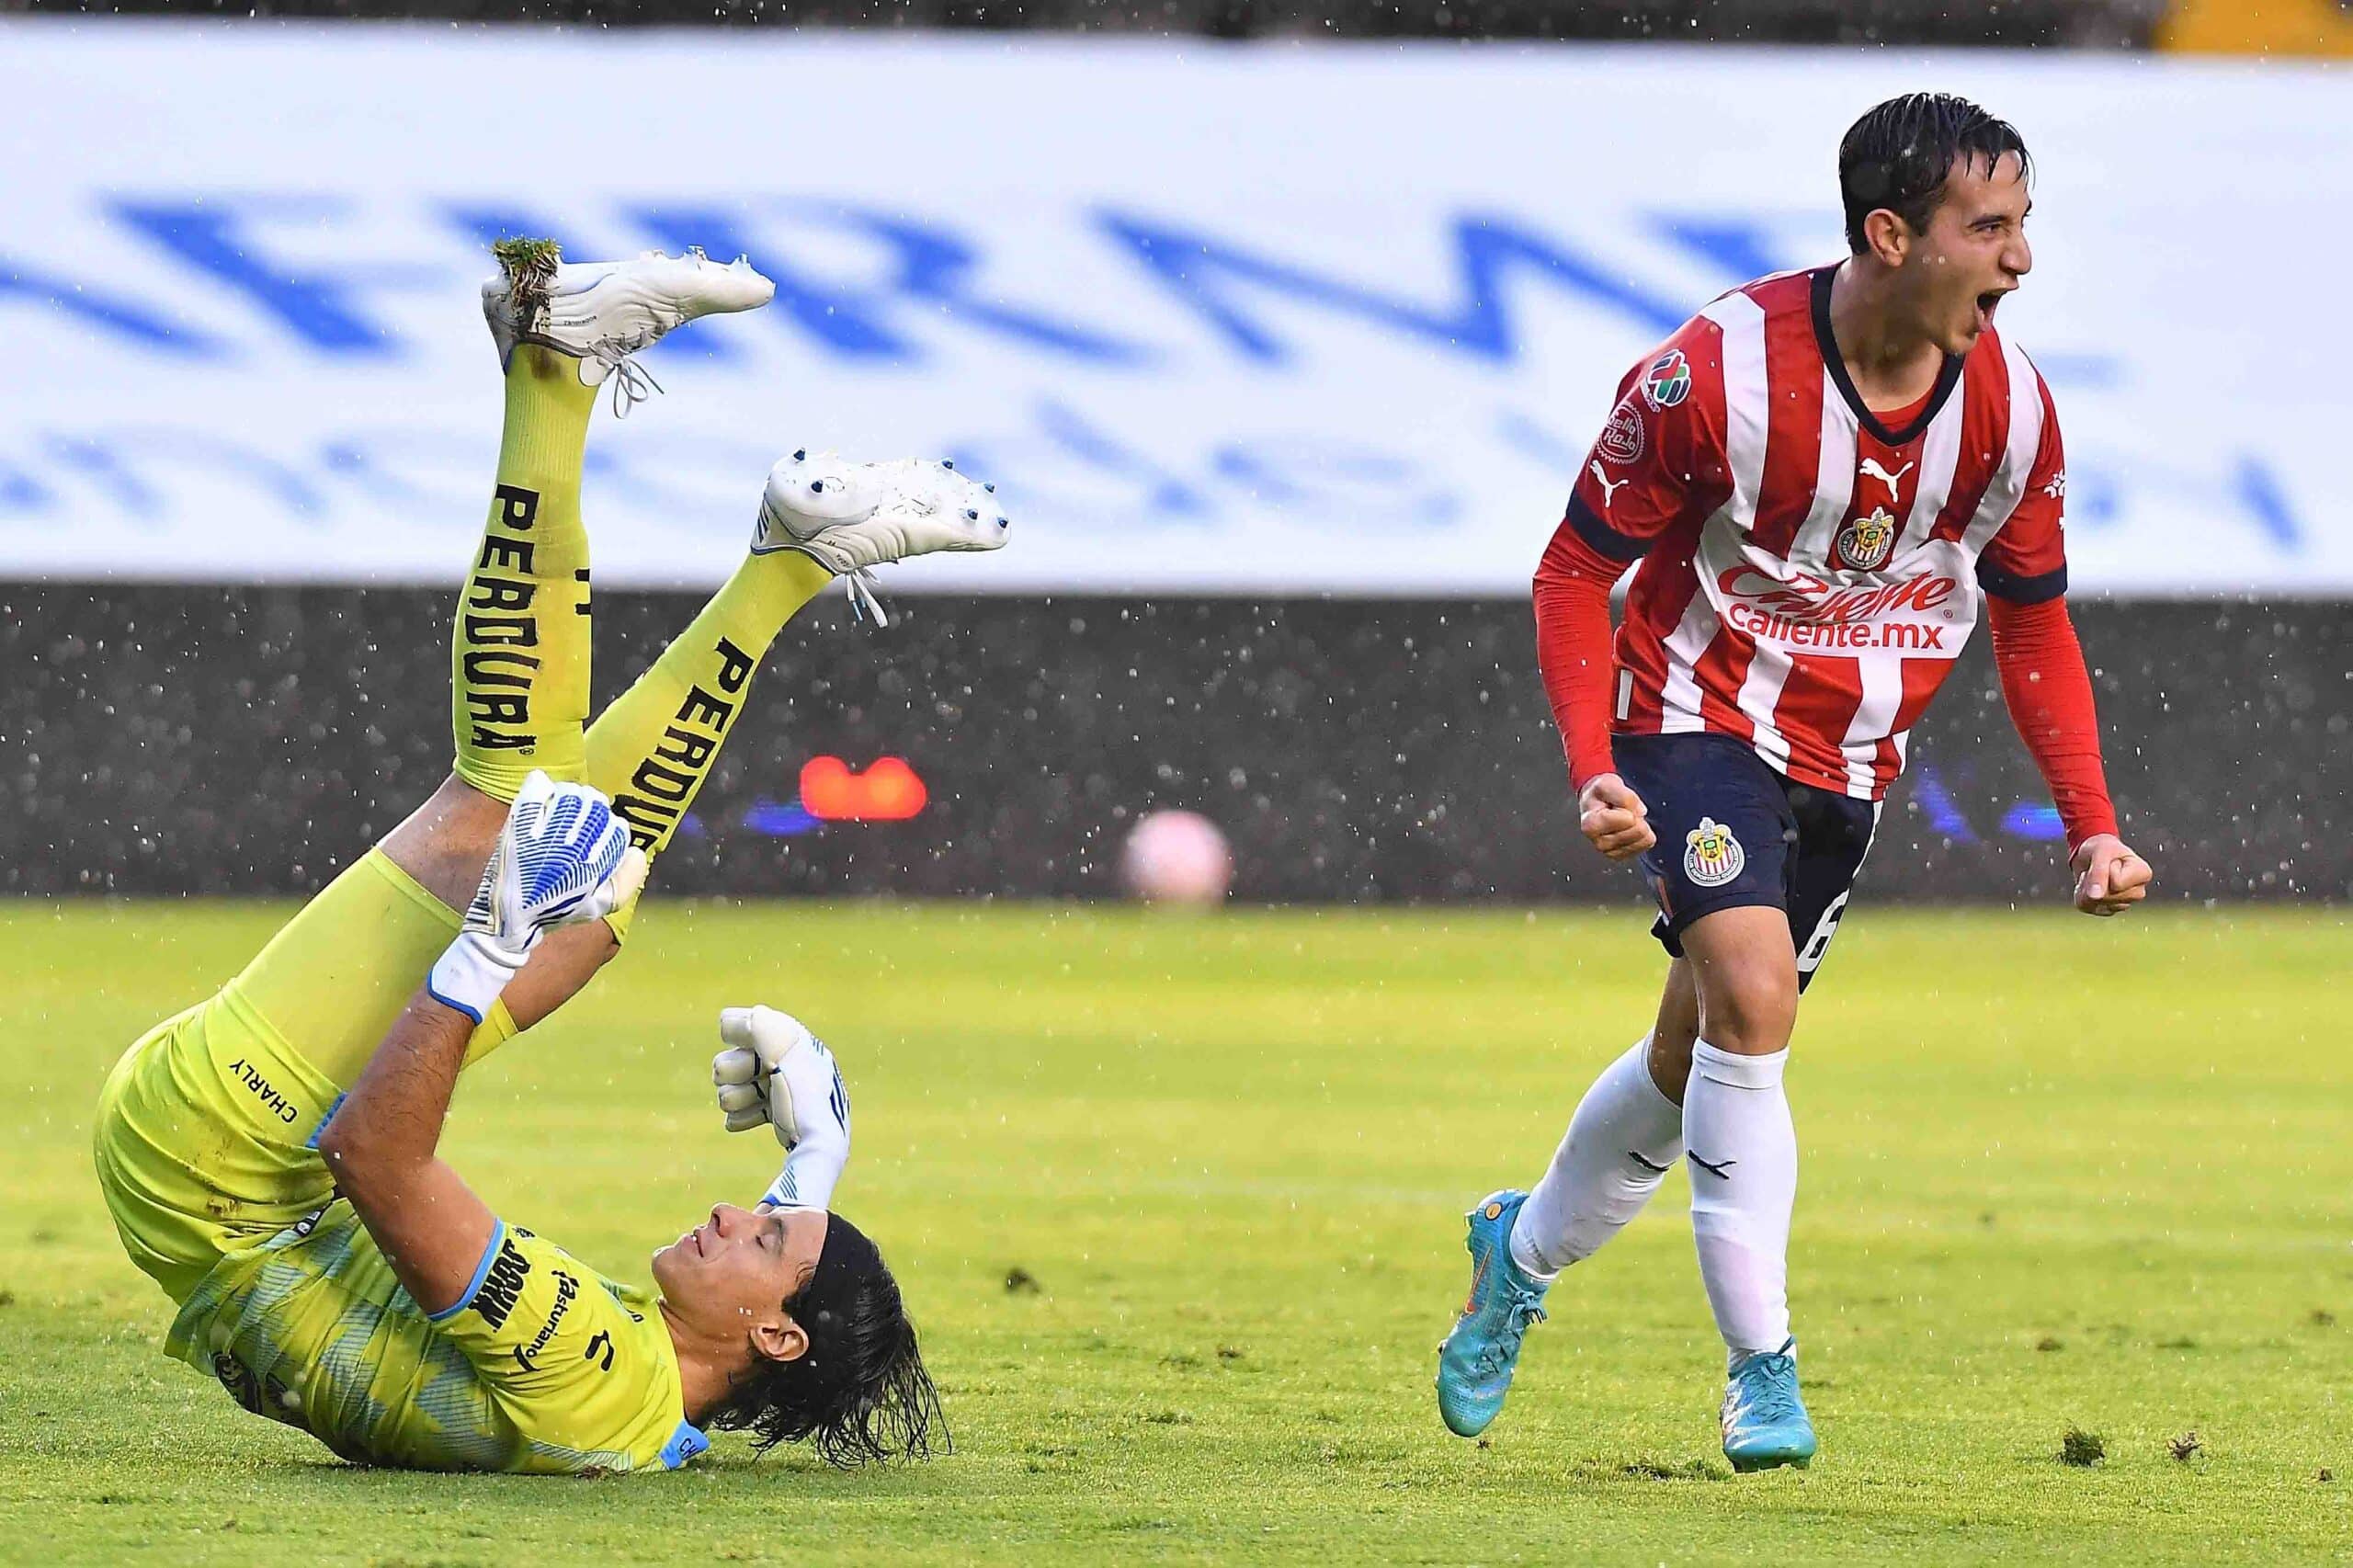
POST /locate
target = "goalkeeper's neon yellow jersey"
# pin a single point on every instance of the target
(544, 1367)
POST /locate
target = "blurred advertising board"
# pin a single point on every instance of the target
(1230, 320)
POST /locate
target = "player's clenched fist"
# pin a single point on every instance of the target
(775, 1072)
(2108, 876)
(1614, 818)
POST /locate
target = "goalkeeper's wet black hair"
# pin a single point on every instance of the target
(1900, 154)
(860, 1393)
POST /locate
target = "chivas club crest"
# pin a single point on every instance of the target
(1711, 856)
(1863, 544)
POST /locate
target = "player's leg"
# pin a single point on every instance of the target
(652, 749)
(1750, 969)
(1727, 842)
(1708, 795)
(1628, 1131)
(1742, 1145)
(519, 653)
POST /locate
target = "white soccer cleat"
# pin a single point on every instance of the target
(600, 312)
(850, 516)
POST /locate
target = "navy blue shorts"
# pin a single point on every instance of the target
(1733, 832)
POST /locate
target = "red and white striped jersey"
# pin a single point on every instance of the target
(1810, 571)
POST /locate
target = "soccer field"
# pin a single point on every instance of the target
(1177, 1204)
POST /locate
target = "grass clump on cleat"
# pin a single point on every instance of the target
(530, 266)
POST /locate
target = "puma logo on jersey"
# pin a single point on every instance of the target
(1608, 489)
(1872, 470)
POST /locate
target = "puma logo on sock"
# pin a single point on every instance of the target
(1637, 1157)
(1713, 1168)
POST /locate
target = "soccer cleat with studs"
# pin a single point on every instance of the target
(1476, 1361)
(851, 516)
(1765, 1423)
(601, 312)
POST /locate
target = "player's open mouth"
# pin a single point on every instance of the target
(1987, 304)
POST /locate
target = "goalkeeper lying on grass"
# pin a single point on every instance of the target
(268, 1154)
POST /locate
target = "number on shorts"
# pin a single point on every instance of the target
(1824, 929)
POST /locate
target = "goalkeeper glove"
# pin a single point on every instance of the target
(561, 857)
(774, 1073)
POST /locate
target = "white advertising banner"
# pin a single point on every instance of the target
(1265, 319)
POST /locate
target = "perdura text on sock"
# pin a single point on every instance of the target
(667, 778)
(496, 624)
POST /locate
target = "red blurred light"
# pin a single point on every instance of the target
(889, 790)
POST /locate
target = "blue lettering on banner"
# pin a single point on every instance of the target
(1200, 270)
(936, 267)
(97, 307)
(319, 306)
(1211, 379)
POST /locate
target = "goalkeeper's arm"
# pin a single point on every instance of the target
(561, 857)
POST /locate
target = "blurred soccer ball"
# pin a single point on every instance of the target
(1176, 858)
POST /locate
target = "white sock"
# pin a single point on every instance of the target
(1624, 1136)
(1743, 1163)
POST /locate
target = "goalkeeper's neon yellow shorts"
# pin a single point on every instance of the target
(208, 1128)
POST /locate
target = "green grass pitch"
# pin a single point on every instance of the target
(1177, 1202)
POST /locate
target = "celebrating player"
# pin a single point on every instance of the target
(1823, 474)
(268, 1155)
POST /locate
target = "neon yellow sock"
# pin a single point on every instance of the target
(518, 670)
(652, 747)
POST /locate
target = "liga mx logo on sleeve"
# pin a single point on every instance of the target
(1864, 543)
(1668, 380)
(1711, 856)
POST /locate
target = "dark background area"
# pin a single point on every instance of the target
(207, 740)
(2126, 24)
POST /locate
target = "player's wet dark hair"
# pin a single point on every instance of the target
(1900, 154)
(860, 1393)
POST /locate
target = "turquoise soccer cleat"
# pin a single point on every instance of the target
(1766, 1424)
(1475, 1364)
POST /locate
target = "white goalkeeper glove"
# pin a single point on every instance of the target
(562, 858)
(775, 1073)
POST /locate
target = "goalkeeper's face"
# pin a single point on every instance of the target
(730, 1276)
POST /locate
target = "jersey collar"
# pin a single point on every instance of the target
(684, 1444)
(1836, 362)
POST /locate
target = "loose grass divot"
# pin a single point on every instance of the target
(1657, 1470)
(2082, 1449)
